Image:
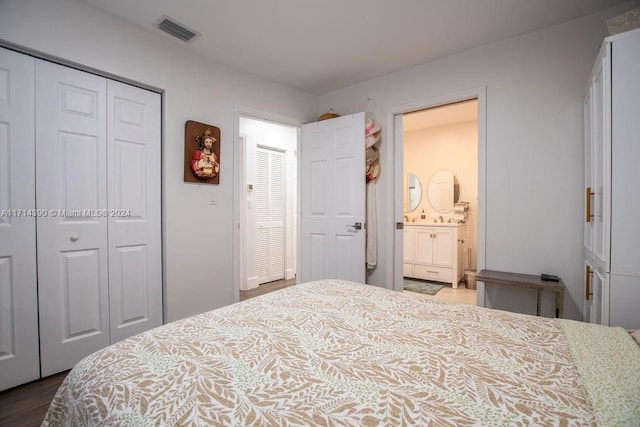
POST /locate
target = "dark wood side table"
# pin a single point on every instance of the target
(525, 281)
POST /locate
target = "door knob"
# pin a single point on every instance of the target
(357, 225)
(74, 237)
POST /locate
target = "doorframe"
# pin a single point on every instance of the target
(394, 210)
(239, 184)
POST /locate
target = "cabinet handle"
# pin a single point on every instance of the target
(588, 195)
(587, 275)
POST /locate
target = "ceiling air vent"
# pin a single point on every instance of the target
(170, 26)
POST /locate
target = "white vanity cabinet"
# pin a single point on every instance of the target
(611, 230)
(433, 252)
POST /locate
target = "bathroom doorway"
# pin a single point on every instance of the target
(430, 138)
(437, 140)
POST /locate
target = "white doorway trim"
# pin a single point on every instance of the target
(239, 186)
(395, 152)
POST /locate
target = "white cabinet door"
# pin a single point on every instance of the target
(443, 247)
(408, 248)
(596, 301)
(588, 171)
(134, 235)
(332, 200)
(601, 155)
(625, 170)
(71, 179)
(19, 358)
(424, 245)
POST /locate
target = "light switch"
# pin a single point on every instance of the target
(213, 199)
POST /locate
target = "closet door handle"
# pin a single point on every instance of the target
(588, 274)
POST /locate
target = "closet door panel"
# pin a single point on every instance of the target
(135, 269)
(72, 241)
(19, 356)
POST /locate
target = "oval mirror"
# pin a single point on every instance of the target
(413, 193)
(443, 191)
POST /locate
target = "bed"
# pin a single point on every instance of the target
(341, 353)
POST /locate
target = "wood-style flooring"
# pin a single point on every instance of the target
(26, 405)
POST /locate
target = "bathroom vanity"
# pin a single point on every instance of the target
(433, 251)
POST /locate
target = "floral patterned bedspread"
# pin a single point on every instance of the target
(341, 353)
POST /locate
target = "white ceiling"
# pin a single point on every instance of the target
(323, 46)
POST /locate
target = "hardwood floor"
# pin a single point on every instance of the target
(26, 405)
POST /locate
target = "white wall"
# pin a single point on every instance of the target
(281, 137)
(534, 181)
(197, 236)
(453, 147)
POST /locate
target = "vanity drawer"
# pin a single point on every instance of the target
(429, 272)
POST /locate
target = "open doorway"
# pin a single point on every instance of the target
(440, 146)
(396, 115)
(267, 205)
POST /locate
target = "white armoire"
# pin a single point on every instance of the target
(612, 174)
(80, 224)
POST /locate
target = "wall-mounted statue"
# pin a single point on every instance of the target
(201, 153)
(204, 162)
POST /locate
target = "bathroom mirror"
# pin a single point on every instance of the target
(413, 193)
(443, 191)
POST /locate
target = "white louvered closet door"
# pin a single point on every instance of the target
(270, 214)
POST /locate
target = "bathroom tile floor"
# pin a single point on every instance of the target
(460, 295)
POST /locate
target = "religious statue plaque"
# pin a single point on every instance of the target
(201, 153)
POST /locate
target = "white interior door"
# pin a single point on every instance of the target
(332, 200)
(72, 241)
(19, 357)
(134, 176)
(270, 214)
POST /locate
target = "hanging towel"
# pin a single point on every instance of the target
(372, 226)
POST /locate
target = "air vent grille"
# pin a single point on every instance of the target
(170, 26)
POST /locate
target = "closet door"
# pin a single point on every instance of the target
(19, 359)
(72, 241)
(133, 159)
(270, 214)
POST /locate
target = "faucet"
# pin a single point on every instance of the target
(441, 219)
(405, 218)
